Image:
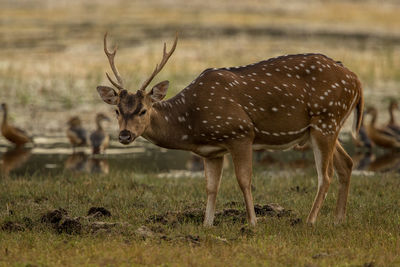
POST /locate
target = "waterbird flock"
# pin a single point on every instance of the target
(76, 133)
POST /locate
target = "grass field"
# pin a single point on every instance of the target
(370, 237)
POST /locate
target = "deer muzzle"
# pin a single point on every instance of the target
(126, 137)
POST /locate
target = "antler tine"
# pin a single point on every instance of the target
(164, 60)
(110, 56)
(113, 82)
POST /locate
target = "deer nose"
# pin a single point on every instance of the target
(125, 137)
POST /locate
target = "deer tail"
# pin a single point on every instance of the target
(358, 113)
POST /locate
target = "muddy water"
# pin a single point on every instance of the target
(53, 154)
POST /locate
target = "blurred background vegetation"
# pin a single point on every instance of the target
(52, 55)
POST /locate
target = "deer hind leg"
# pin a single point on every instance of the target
(323, 147)
(242, 160)
(343, 165)
(213, 173)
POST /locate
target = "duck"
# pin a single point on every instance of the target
(380, 136)
(392, 125)
(13, 134)
(99, 139)
(76, 133)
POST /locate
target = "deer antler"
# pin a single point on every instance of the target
(164, 60)
(110, 56)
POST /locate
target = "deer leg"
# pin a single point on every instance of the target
(343, 165)
(323, 153)
(242, 161)
(213, 173)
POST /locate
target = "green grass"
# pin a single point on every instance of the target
(371, 233)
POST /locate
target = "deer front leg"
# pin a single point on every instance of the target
(213, 173)
(242, 161)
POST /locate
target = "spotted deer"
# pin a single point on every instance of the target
(274, 104)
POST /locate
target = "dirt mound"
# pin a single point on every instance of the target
(98, 212)
(272, 209)
(70, 226)
(17, 226)
(233, 215)
(10, 226)
(54, 216)
(63, 223)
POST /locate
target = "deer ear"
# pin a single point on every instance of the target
(108, 94)
(159, 91)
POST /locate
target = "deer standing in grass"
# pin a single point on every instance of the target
(273, 104)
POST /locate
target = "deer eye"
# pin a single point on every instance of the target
(142, 112)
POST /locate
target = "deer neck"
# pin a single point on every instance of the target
(164, 129)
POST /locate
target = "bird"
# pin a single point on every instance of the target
(382, 137)
(11, 133)
(392, 125)
(99, 139)
(76, 133)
